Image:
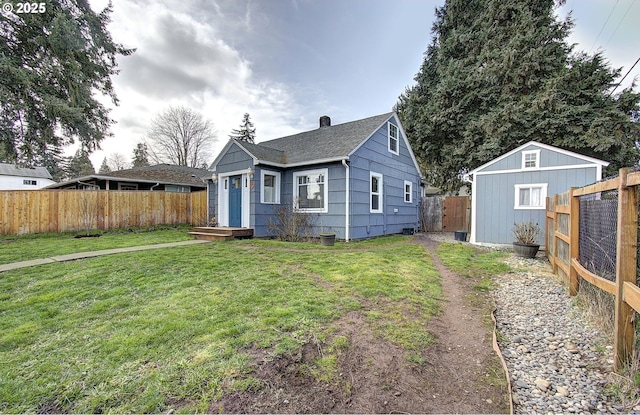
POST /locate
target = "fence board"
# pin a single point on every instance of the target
(37, 211)
(632, 295)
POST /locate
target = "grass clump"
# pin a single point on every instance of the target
(471, 261)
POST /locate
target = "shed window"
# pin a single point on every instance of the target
(311, 191)
(393, 138)
(127, 186)
(270, 192)
(530, 196)
(531, 159)
(376, 193)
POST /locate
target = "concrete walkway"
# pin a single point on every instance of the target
(90, 254)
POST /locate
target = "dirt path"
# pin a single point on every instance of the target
(464, 354)
(461, 373)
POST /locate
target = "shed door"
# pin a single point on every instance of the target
(455, 213)
(235, 202)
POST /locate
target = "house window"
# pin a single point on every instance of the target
(127, 186)
(393, 138)
(530, 196)
(270, 192)
(30, 182)
(311, 191)
(531, 159)
(376, 193)
(408, 191)
(177, 189)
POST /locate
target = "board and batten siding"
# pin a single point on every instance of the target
(374, 156)
(494, 212)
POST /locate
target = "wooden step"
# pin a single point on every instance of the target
(209, 236)
(236, 232)
(209, 229)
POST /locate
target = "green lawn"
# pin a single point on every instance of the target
(171, 328)
(26, 247)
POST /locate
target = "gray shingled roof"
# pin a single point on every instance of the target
(166, 173)
(331, 142)
(13, 170)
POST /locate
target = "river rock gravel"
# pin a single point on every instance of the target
(557, 361)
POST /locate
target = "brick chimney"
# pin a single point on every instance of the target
(325, 121)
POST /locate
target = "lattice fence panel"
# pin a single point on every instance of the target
(598, 228)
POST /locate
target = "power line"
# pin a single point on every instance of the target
(626, 13)
(603, 26)
(625, 75)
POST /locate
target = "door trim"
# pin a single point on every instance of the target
(223, 197)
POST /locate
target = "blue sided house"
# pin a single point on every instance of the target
(360, 179)
(513, 188)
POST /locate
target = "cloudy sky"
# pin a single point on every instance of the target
(287, 62)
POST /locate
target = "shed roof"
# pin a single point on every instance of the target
(7, 169)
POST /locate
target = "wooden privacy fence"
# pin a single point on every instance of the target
(569, 234)
(445, 213)
(37, 211)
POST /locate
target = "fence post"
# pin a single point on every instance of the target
(555, 229)
(574, 237)
(625, 269)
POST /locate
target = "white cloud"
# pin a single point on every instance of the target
(182, 59)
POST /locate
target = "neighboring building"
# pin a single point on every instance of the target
(13, 177)
(161, 177)
(514, 187)
(360, 178)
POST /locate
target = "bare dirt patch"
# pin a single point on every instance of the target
(459, 373)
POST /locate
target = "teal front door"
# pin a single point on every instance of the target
(235, 202)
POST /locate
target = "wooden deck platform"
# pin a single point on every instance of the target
(208, 233)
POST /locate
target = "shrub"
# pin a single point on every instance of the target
(289, 224)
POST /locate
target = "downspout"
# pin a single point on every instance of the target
(157, 184)
(346, 206)
(470, 178)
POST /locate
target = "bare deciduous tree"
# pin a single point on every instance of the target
(117, 161)
(181, 136)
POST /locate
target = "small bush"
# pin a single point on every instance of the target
(289, 224)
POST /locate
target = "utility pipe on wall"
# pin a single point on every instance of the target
(346, 207)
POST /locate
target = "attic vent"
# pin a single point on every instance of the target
(325, 121)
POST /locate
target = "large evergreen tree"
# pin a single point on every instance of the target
(246, 132)
(80, 165)
(140, 155)
(51, 66)
(498, 74)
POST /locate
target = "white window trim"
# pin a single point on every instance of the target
(297, 174)
(524, 155)
(404, 188)
(276, 184)
(122, 184)
(389, 126)
(380, 189)
(543, 195)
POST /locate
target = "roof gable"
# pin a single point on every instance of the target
(329, 143)
(586, 159)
